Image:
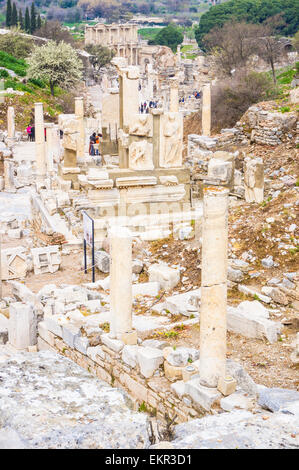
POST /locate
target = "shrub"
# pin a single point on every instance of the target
(232, 97)
(4, 73)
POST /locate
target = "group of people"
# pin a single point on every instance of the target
(94, 141)
(144, 107)
(196, 94)
(30, 133)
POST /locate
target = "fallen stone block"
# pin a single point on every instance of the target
(244, 381)
(235, 275)
(45, 333)
(21, 325)
(149, 360)
(46, 259)
(146, 288)
(203, 397)
(129, 355)
(81, 343)
(54, 324)
(94, 351)
(252, 326)
(155, 343)
(184, 304)
(111, 343)
(247, 290)
(237, 401)
(13, 263)
(14, 233)
(69, 333)
(178, 388)
(173, 372)
(22, 293)
(71, 295)
(181, 355)
(278, 399)
(239, 264)
(102, 261)
(177, 357)
(167, 277)
(137, 266)
(278, 296)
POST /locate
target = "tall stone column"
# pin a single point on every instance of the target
(8, 175)
(50, 144)
(40, 141)
(213, 286)
(121, 285)
(79, 113)
(174, 96)
(128, 93)
(179, 55)
(131, 54)
(206, 110)
(10, 122)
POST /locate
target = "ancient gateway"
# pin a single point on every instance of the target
(122, 38)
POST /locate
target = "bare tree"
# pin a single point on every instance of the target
(231, 97)
(53, 29)
(232, 45)
(270, 47)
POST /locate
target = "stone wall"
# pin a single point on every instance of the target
(268, 126)
(155, 393)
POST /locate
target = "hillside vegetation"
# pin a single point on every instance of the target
(251, 11)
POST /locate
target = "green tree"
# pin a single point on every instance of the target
(56, 64)
(251, 11)
(14, 16)
(100, 55)
(27, 21)
(21, 20)
(8, 13)
(32, 19)
(16, 44)
(169, 36)
(39, 22)
(296, 41)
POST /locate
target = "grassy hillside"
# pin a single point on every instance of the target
(33, 91)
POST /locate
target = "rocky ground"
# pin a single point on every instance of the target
(47, 401)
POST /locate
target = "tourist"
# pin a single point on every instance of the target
(28, 130)
(91, 143)
(32, 134)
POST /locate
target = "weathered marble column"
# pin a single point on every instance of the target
(213, 286)
(128, 92)
(40, 141)
(174, 95)
(79, 113)
(50, 148)
(179, 54)
(121, 285)
(10, 122)
(206, 110)
(8, 176)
